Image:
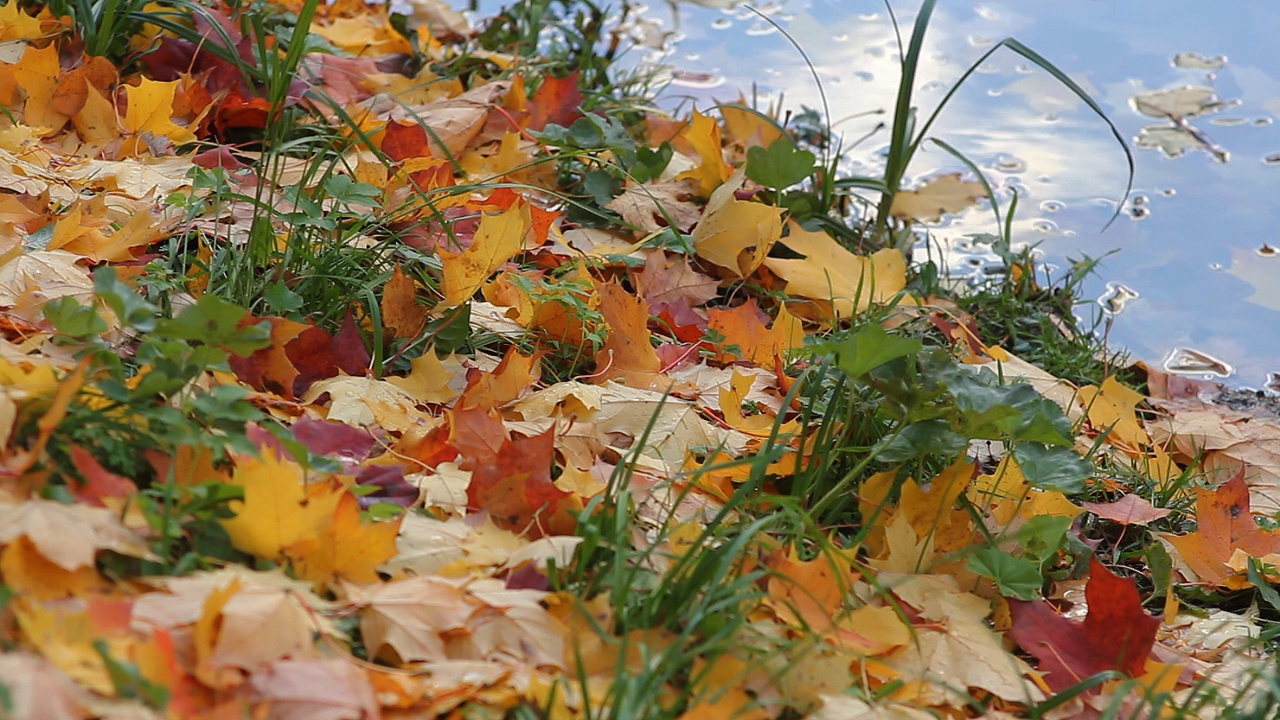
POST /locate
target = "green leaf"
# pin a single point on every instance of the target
(215, 321)
(867, 349)
(918, 440)
(1042, 537)
(1160, 565)
(281, 299)
(70, 317)
(1016, 411)
(1265, 591)
(780, 165)
(130, 307)
(1052, 468)
(1014, 577)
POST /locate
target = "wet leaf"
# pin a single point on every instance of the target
(939, 196)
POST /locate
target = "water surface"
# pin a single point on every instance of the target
(1195, 269)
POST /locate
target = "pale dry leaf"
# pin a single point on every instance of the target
(410, 617)
(654, 206)
(445, 487)
(69, 536)
(315, 689)
(963, 653)
(48, 274)
(358, 400)
(427, 544)
(270, 615)
(938, 196)
(35, 689)
(1184, 102)
(710, 381)
(670, 425)
(441, 18)
(570, 398)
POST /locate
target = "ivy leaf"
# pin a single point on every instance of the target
(1052, 468)
(867, 349)
(780, 165)
(1014, 577)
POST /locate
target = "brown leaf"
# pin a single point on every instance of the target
(938, 196)
(1128, 510)
(654, 206)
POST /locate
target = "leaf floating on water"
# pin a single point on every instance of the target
(1174, 141)
(1185, 361)
(1186, 101)
(1196, 61)
(941, 195)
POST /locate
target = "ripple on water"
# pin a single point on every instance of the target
(1052, 206)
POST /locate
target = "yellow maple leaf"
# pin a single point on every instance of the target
(37, 73)
(703, 135)
(1112, 407)
(428, 379)
(497, 240)
(277, 511)
(149, 108)
(17, 25)
(348, 548)
(736, 234)
(828, 271)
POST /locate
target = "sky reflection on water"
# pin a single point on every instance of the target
(1192, 229)
(1193, 233)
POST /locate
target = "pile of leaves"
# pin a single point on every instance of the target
(359, 365)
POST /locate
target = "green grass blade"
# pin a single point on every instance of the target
(1044, 64)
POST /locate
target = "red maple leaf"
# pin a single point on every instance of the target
(514, 485)
(1117, 634)
(557, 101)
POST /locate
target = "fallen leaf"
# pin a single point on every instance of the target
(1117, 634)
(830, 273)
(1224, 524)
(736, 234)
(1128, 510)
(936, 197)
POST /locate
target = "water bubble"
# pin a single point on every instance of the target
(1216, 266)
(988, 68)
(1267, 251)
(986, 13)
(1139, 200)
(931, 86)
(1068, 233)
(980, 40)
(1050, 117)
(721, 24)
(1010, 164)
(693, 57)
(1139, 212)
(1047, 227)
(840, 37)
(994, 92)
(1044, 179)
(1168, 192)
(868, 17)
(1023, 69)
(1262, 122)
(1052, 205)
(1272, 159)
(760, 28)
